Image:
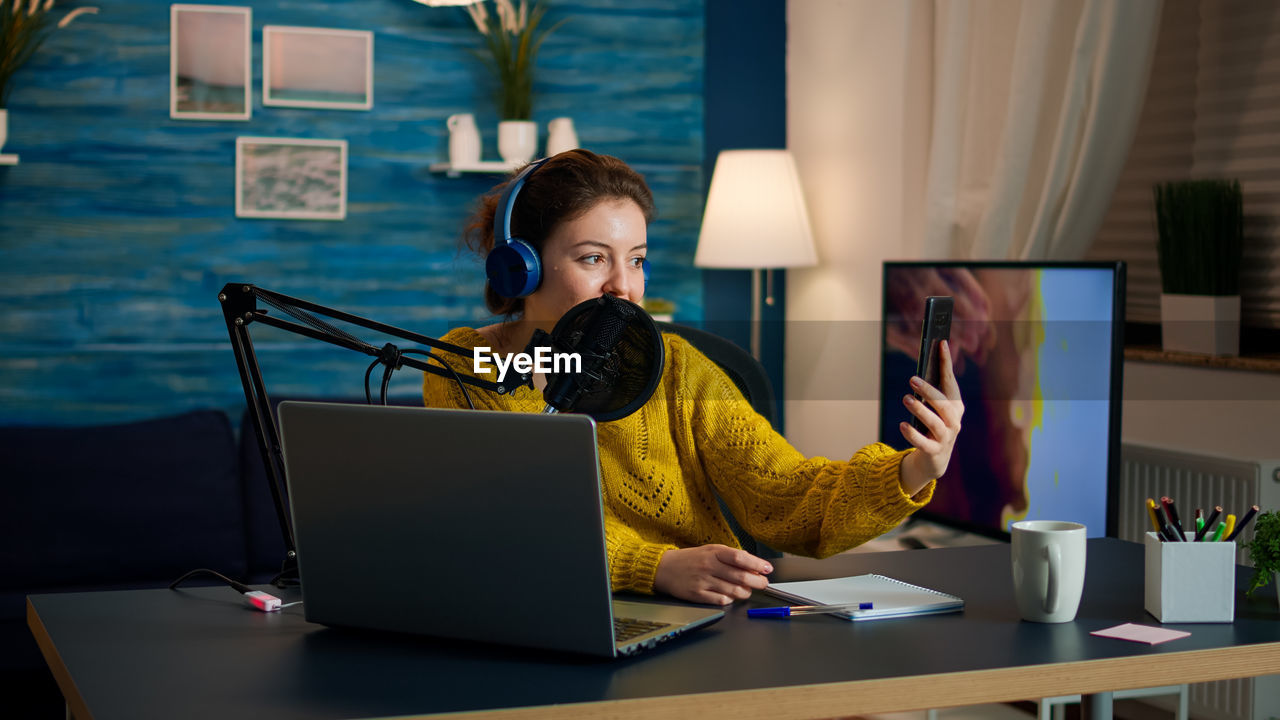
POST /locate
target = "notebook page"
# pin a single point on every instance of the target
(889, 597)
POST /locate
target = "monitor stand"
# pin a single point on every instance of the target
(914, 533)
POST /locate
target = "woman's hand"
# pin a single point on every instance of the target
(940, 412)
(712, 574)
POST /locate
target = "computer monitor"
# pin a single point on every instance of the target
(1039, 358)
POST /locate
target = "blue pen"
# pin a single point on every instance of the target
(782, 612)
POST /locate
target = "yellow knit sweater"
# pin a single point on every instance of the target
(659, 465)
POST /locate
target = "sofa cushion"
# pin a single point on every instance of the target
(120, 504)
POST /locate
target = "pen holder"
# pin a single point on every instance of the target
(1190, 582)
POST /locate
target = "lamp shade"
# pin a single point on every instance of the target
(755, 215)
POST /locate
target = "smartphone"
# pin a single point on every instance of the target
(935, 328)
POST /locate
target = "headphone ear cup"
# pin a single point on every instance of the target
(514, 269)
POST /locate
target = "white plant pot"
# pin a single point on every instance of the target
(517, 140)
(1202, 324)
(4, 127)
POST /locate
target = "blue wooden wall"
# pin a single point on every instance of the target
(745, 106)
(117, 228)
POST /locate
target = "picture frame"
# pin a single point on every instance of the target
(317, 67)
(210, 62)
(291, 178)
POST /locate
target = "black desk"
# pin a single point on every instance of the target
(200, 653)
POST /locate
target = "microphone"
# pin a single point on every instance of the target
(621, 359)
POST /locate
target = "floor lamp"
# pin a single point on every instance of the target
(755, 220)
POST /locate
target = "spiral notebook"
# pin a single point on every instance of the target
(889, 598)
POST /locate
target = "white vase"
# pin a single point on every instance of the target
(4, 127)
(1202, 324)
(561, 136)
(464, 139)
(517, 140)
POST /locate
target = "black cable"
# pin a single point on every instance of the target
(461, 385)
(263, 601)
(238, 586)
(390, 354)
(286, 579)
(368, 398)
(386, 380)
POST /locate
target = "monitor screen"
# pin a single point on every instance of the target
(1038, 356)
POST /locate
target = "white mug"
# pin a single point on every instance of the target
(464, 139)
(1048, 569)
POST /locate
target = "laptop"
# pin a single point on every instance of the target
(467, 524)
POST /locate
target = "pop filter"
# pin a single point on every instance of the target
(622, 359)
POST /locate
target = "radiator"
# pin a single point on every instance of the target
(1199, 480)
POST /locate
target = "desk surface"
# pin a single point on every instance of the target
(200, 653)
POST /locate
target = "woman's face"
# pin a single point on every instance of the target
(597, 253)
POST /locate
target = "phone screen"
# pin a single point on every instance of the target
(935, 328)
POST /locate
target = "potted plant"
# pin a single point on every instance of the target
(1200, 227)
(24, 25)
(512, 38)
(660, 309)
(1264, 550)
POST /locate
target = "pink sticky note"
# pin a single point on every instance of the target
(1141, 633)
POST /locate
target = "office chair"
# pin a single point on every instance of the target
(749, 376)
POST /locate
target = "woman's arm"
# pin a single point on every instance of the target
(809, 506)
(633, 562)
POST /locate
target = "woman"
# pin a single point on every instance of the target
(587, 215)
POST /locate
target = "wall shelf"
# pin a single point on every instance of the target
(1267, 363)
(495, 167)
(8, 159)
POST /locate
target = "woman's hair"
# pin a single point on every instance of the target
(565, 188)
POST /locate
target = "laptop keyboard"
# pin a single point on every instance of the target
(625, 629)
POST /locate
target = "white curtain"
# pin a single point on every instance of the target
(1034, 106)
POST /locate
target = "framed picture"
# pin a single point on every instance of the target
(209, 62)
(289, 178)
(317, 67)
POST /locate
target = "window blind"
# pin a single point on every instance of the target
(1212, 110)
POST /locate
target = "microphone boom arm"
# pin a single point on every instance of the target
(240, 310)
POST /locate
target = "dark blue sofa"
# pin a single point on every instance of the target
(119, 507)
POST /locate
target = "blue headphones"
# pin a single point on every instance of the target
(513, 266)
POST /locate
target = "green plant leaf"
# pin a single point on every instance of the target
(1200, 236)
(21, 35)
(511, 58)
(1264, 549)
